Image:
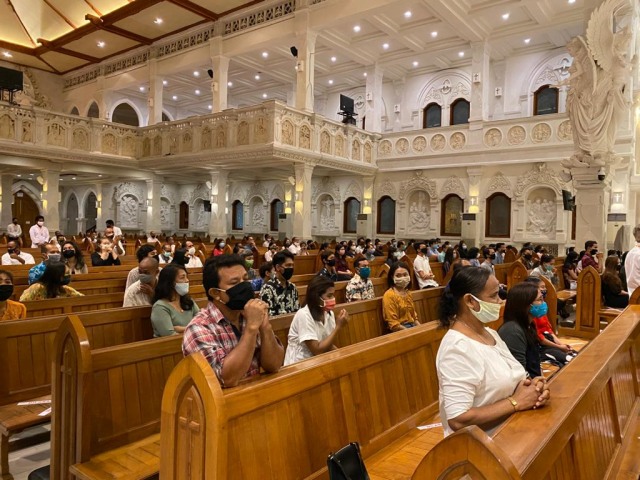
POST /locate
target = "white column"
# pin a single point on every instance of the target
(154, 97)
(480, 76)
(302, 201)
(153, 204)
(51, 199)
(220, 67)
(305, 77)
(373, 109)
(6, 201)
(368, 204)
(592, 205)
(218, 219)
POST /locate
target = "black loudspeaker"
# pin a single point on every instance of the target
(207, 206)
(568, 200)
(10, 79)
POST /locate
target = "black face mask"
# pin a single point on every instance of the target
(69, 253)
(594, 251)
(492, 256)
(11, 250)
(331, 263)
(528, 256)
(239, 295)
(424, 250)
(5, 292)
(287, 273)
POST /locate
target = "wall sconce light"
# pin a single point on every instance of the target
(298, 197)
(287, 210)
(474, 201)
(148, 202)
(618, 197)
(98, 204)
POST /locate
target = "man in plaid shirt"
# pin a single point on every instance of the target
(233, 332)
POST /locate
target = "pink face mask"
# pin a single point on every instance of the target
(329, 304)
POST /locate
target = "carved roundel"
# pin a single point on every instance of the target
(493, 137)
(385, 147)
(402, 146)
(438, 142)
(517, 135)
(419, 144)
(565, 130)
(541, 133)
(457, 141)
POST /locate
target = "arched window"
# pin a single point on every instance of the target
(432, 116)
(460, 110)
(545, 100)
(498, 221)
(451, 220)
(125, 114)
(237, 211)
(184, 216)
(94, 111)
(386, 215)
(351, 211)
(74, 111)
(165, 117)
(277, 207)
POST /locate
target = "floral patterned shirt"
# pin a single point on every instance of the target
(281, 299)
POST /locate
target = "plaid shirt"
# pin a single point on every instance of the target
(359, 289)
(213, 335)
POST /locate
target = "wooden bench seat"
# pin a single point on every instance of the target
(585, 432)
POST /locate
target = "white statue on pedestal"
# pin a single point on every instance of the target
(418, 212)
(327, 216)
(542, 216)
(596, 97)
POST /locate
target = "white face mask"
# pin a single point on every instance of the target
(191, 251)
(489, 312)
(40, 223)
(182, 288)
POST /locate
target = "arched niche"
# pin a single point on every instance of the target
(257, 214)
(418, 213)
(93, 111)
(90, 211)
(200, 217)
(72, 209)
(126, 113)
(326, 213)
(74, 111)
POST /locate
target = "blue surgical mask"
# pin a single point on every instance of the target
(364, 272)
(539, 310)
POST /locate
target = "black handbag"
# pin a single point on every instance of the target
(347, 464)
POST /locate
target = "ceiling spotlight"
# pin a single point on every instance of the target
(461, 54)
(142, 89)
(264, 95)
(100, 175)
(7, 54)
(407, 14)
(527, 41)
(175, 97)
(415, 63)
(330, 82)
(229, 84)
(334, 59)
(158, 21)
(571, 2)
(265, 54)
(73, 178)
(434, 34)
(19, 175)
(210, 107)
(257, 77)
(165, 83)
(505, 16)
(385, 46)
(356, 28)
(196, 73)
(31, 174)
(101, 44)
(364, 74)
(197, 92)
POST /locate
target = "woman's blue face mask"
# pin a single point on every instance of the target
(539, 310)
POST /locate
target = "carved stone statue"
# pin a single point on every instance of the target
(419, 212)
(598, 79)
(541, 216)
(258, 215)
(327, 215)
(201, 220)
(129, 211)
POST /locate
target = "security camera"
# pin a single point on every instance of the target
(601, 174)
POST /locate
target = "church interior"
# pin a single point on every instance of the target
(480, 122)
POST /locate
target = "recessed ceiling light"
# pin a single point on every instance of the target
(19, 175)
(7, 54)
(505, 16)
(229, 84)
(142, 89)
(264, 95)
(364, 74)
(210, 107)
(257, 77)
(407, 14)
(100, 175)
(101, 44)
(330, 82)
(527, 40)
(415, 63)
(73, 178)
(265, 54)
(356, 28)
(196, 73)
(197, 92)
(165, 83)
(175, 97)
(31, 174)
(385, 46)
(461, 54)
(158, 21)
(334, 59)
(572, 2)
(434, 34)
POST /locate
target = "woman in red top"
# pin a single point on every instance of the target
(341, 264)
(218, 248)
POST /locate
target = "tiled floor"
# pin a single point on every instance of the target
(23, 462)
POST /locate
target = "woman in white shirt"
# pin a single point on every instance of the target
(315, 327)
(480, 382)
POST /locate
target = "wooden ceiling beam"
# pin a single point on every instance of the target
(101, 25)
(48, 45)
(197, 9)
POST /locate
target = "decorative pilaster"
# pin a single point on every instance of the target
(302, 197)
(218, 219)
(219, 82)
(153, 204)
(154, 98)
(373, 108)
(592, 205)
(51, 199)
(306, 45)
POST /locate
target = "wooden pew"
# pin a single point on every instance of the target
(304, 264)
(516, 273)
(56, 306)
(104, 399)
(374, 392)
(585, 432)
(26, 347)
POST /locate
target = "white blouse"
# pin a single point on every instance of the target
(472, 374)
(303, 328)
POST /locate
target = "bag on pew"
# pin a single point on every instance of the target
(347, 464)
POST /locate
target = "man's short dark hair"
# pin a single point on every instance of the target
(210, 272)
(588, 244)
(358, 261)
(144, 252)
(324, 256)
(281, 257)
(39, 217)
(547, 258)
(499, 245)
(264, 268)
(109, 223)
(486, 252)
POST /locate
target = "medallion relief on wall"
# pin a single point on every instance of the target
(565, 131)
(541, 212)
(129, 211)
(517, 135)
(541, 133)
(419, 144)
(438, 142)
(457, 141)
(402, 146)
(385, 148)
(493, 137)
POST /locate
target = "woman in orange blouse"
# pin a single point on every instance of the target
(9, 310)
(398, 309)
